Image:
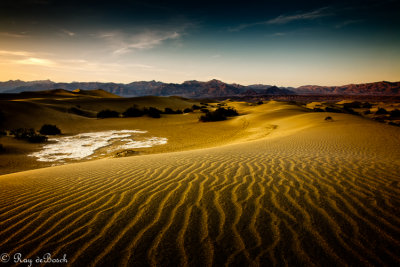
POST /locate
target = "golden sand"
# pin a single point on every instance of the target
(288, 189)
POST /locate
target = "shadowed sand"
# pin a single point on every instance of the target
(309, 192)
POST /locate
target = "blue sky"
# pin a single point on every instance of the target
(284, 43)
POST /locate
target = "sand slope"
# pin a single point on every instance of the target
(309, 193)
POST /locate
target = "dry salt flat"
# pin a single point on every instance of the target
(84, 145)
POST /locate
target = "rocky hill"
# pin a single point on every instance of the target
(377, 88)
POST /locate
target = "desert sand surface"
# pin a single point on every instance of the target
(288, 188)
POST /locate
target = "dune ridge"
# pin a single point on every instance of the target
(308, 193)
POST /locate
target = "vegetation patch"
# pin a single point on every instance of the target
(48, 129)
(29, 135)
(219, 114)
(106, 113)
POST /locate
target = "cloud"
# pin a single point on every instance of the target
(15, 53)
(36, 61)
(347, 22)
(318, 13)
(124, 44)
(13, 35)
(67, 32)
(284, 19)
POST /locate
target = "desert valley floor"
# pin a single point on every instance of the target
(277, 186)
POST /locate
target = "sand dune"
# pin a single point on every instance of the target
(304, 192)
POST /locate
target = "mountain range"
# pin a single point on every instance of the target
(198, 89)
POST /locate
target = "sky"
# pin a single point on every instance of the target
(283, 43)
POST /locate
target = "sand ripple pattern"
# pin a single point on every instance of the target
(293, 201)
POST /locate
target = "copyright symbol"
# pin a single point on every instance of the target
(4, 257)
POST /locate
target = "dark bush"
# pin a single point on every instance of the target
(204, 110)
(29, 135)
(329, 118)
(335, 110)
(212, 116)
(133, 112)
(381, 111)
(260, 103)
(354, 104)
(395, 113)
(48, 129)
(219, 114)
(318, 110)
(366, 105)
(187, 110)
(196, 107)
(152, 112)
(169, 111)
(367, 112)
(229, 112)
(350, 111)
(106, 113)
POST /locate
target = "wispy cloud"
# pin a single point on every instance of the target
(284, 19)
(347, 22)
(67, 32)
(15, 53)
(36, 61)
(13, 35)
(318, 13)
(123, 43)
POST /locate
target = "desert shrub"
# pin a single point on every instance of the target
(260, 103)
(329, 118)
(152, 112)
(212, 116)
(29, 135)
(187, 110)
(204, 104)
(355, 104)
(334, 110)
(366, 105)
(204, 110)
(133, 112)
(367, 112)
(106, 113)
(48, 129)
(395, 113)
(350, 111)
(228, 112)
(169, 111)
(381, 111)
(196, 107)
(318, 110)
(219, 114)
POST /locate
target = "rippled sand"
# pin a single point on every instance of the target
(308, 193)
